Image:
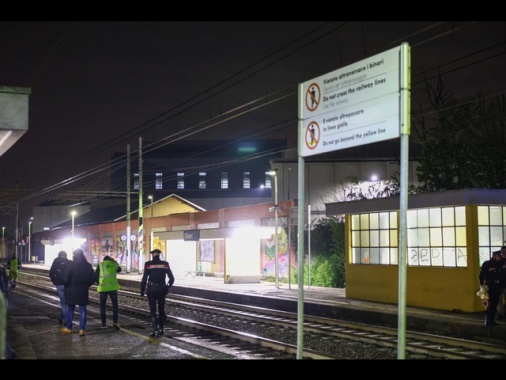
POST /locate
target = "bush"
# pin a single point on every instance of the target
(327, 256)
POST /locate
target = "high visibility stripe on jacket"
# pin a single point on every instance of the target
(108, 281)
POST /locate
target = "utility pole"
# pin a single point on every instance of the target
(141, 214)
(128, 245)
(17, 231)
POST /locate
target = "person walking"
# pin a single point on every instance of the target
(8, 352)
(108, 286)
(491, 278)
(153, 283)
(78, 278)
(501, 306)
(4, 281)
(14, 265)
(56, 275)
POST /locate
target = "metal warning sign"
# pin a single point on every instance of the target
(358, 104)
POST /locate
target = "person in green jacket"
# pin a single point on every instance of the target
(108, 286)
(14, 265)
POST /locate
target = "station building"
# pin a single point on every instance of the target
(235, 243)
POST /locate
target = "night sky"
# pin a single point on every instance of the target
(98, 86)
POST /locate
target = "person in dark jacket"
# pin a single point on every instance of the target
(501, 307)
(9, 353)
(56, 275)
(4, 281)
(491, 277)
(78, 277)
(153, 278)
(108, 286)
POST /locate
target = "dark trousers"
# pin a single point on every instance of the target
(156, 300)
(493, 300)
(114, 300)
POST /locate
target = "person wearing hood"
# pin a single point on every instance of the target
(108, 286)
(56, 275)
(77, 279)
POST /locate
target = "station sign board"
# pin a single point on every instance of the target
(191, 235)
(355, 105)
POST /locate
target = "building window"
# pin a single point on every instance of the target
(437, 237)
(491, 230)
(202, 180)
(136, 181)
(224, 180)
(180, 180)
(158, 181)
(374, 238)
(246, 180)
(268, 181)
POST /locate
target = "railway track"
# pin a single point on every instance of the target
(253, 332)
(217, 342)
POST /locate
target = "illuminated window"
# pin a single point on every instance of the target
(491, 230)
(374, 238)
(268, 181)
(180, 180)
(246, 184)
(437, 237)
(158, 181)
(136, 181)
(224, 180)
(202, 180)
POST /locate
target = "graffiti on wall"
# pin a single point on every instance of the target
(269, 252)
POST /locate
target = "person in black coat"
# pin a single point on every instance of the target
(153, 281)
(491, 277)
(77, 278)
(4, 280)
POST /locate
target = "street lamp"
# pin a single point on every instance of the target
(151, 225)
(3, 233)
(73, 213)
(276, 264)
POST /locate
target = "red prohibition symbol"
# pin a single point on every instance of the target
(312, 135)
(313, 95)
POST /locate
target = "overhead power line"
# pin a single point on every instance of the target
(103, 171)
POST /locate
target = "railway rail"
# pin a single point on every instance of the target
(254, 332)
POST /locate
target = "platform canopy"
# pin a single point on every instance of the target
(13, 115)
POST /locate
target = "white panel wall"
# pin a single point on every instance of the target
(182, 256)
(242, 256)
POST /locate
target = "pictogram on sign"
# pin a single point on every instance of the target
(313, 95)
(312, 135)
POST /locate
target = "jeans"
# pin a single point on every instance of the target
(60, 289)
(82, 316)
(114, 300)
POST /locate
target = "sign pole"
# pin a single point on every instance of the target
(405, 68)
(300, 233)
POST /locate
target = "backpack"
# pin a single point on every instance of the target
(60, 272)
